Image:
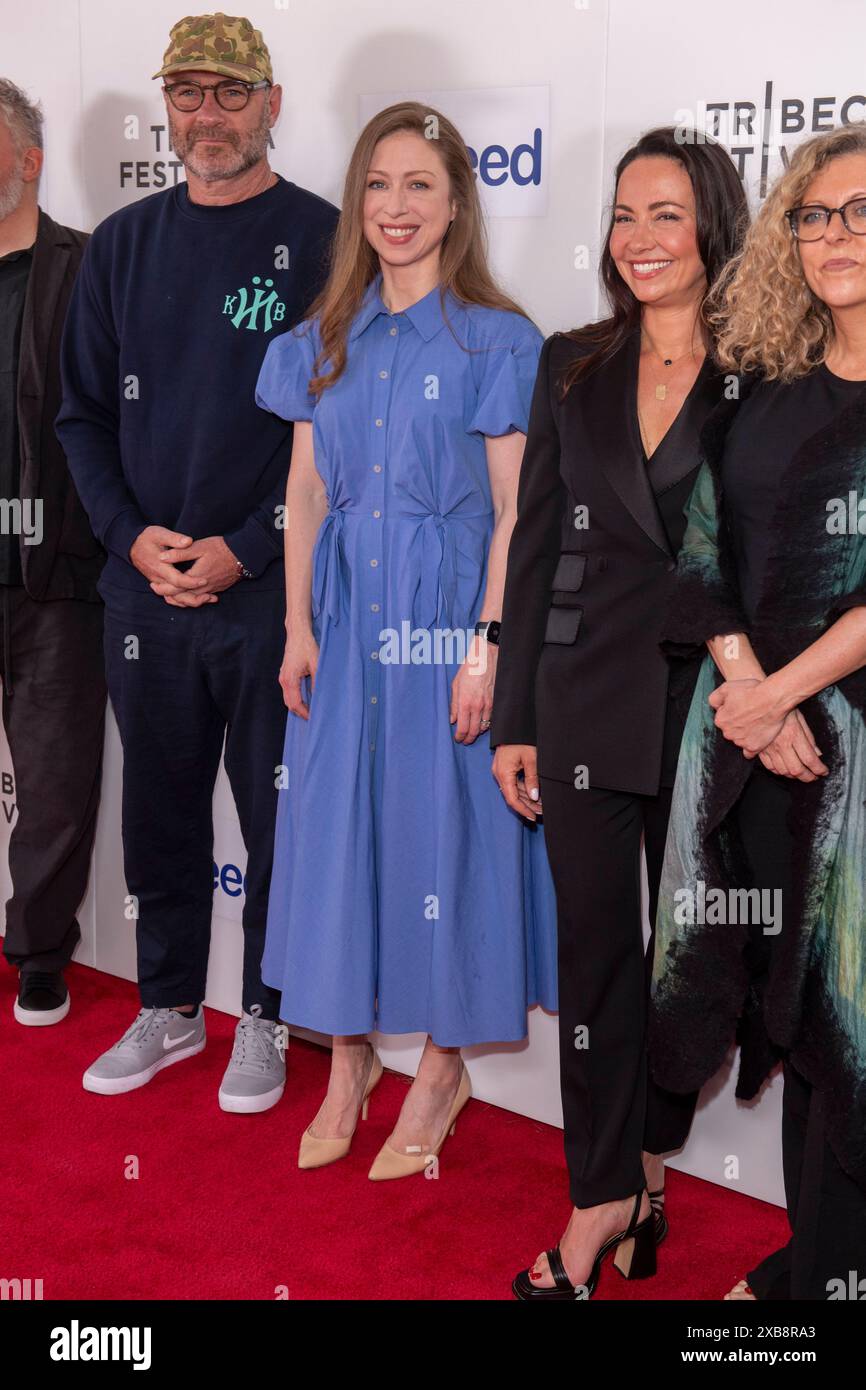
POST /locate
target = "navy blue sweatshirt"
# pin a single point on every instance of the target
(172, 312)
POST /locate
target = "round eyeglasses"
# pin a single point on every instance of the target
(810, 222)
(231, 94)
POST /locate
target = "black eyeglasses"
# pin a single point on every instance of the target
(810, 222)
(231, 95)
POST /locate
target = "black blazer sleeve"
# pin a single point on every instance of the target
(533, 555)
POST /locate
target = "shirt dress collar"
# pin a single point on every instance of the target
(426, 315)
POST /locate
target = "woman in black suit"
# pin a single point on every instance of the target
(586, 720)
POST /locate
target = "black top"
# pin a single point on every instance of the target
(768, 430)
(671, 502)
(14, 274)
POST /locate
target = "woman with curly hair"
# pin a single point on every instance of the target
(761, 925)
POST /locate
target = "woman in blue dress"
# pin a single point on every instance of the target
(406, 896)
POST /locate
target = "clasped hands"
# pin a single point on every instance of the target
(748, 714)
(157, 551)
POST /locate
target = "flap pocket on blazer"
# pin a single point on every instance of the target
(569, 572)
(562, 625)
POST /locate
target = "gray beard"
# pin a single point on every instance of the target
(246, 152)
(11, 193)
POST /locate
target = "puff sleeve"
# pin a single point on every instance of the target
(283, 384)
(508, 366)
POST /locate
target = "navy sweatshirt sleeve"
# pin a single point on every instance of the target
(88, 422)
(171, 316)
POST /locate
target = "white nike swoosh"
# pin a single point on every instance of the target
(168, 1043)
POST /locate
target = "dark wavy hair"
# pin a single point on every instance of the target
(722, 216)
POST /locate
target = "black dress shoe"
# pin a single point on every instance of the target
(42, 998)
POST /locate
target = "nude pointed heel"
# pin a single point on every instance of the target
(316, 1153)
(390, 1164)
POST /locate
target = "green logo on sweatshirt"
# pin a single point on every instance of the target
(244, 307)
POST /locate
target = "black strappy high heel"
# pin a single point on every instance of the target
(635, 1258)
(657, 1202)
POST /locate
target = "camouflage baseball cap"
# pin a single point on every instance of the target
(220, 43)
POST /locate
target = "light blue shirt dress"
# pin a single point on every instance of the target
(405, 895)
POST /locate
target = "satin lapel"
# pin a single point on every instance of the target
(679, 452)
(610, 416)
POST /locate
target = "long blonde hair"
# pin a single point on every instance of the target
(463, 254)
(766, 317)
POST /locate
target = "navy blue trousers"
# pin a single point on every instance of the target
(182, 681)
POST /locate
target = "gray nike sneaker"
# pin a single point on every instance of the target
(157, 1039)
(256, 1075)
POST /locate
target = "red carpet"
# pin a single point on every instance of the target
(220, 1211)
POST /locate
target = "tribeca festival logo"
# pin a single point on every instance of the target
(762, 131)
(146, 172)
(8, 804)
(243, 307)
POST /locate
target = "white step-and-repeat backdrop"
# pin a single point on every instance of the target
(548, 94)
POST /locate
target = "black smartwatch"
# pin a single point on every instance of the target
(489, 630)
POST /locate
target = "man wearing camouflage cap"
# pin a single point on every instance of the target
(184, 479)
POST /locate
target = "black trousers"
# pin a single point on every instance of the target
(612, 1108)
(826, 1210)
(54, 718)
(183, 681)
(826, 1207)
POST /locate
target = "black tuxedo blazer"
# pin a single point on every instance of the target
(590, 567)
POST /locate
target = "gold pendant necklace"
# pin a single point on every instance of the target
(662, 390)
